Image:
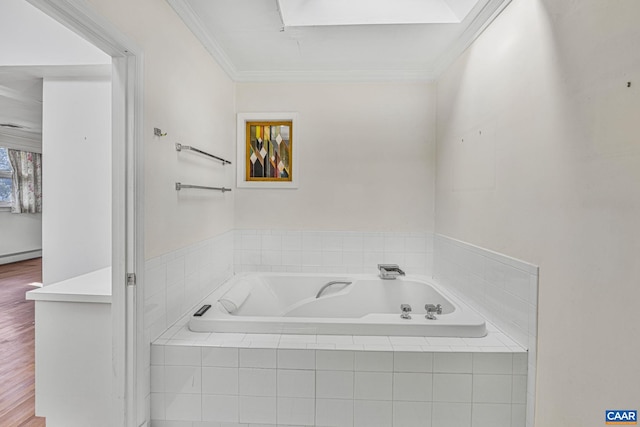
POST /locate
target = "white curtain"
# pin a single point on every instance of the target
(27, 181)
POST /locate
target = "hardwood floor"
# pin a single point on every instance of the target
(17, 334)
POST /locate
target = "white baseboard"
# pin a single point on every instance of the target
(20, 256)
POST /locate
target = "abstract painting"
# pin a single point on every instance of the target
(268, 151)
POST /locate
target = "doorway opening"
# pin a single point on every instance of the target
(124, 208)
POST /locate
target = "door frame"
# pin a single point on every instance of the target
(128, 370)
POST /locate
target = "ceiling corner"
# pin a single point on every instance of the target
(489, 12)
(193, 23)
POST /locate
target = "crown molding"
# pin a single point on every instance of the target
(482, 20)
(335, 76)
(21, 140)
(193, 22)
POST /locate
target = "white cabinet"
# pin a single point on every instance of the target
(74, 351)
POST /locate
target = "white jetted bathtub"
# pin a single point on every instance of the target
(281, 303)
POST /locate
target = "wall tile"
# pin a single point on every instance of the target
(221, 357)
(335, 360)
(182, 356)
(257, 358)
(182, 379)
(157, 379)
(411, 414)
(159, 423)
(292, 241)
(334, 384)
(519, 389)
(271, 243)
(518, 415)
(451, 415)
(452, 388)
(157, 355)
(491, 415)
(332, 241)
(155, 280)
(334, 412)
(183, 407)
(257, 382)
(373, 385)
(311, 241)
(492, 363)
(373, 242)
(292, 258)
(157, 406)
(332, 252)
(352, 242)
(412, 362)
(217, 380)
(416, 387)
(175, 270)
(372, 413)
(258, 410)
(520, 361)
(492, 388)
(296, 359)
(453, 362)
(220, 408)
(296, 411)
(375, 361)
(296, 383)
(507, 295)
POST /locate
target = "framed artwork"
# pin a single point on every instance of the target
(267, 150)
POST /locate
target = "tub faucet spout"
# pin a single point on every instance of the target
(390, 271)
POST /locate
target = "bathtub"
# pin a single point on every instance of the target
(279, 303)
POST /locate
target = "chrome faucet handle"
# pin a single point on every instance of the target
(406, 309)
(432, 310)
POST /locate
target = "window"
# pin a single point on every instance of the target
(5, 178)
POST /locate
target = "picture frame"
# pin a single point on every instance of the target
(267, 150)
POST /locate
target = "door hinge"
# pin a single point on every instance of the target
(131, 279)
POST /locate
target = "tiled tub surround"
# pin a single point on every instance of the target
(493, 284)
(177, 281)
(331, 251)
(503, 289)
(214, 380)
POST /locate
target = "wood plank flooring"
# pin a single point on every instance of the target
(17, 335)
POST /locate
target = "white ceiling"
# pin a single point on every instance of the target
(251, 43)
(302, 13)
(34, 46)
(20, 106)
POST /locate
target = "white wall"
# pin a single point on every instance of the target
(366, 157)
(76, 176)
(29, 37)
(539, 158)
(189, 97)
(20, 233)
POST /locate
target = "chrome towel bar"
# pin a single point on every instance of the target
(180, 186)
(180, 147)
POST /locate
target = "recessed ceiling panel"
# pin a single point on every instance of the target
(252, 43)
(302, 13)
